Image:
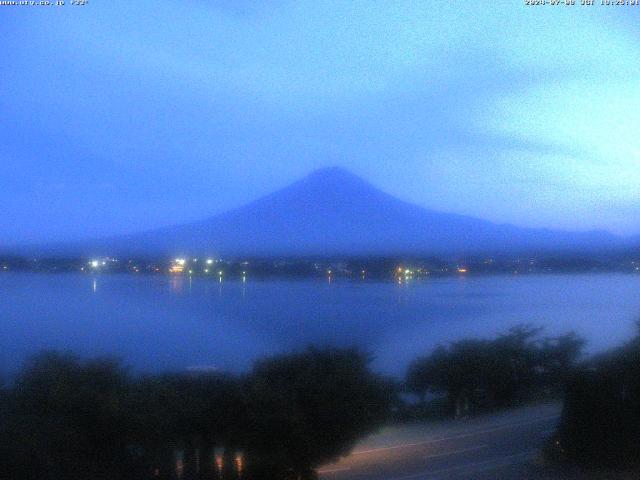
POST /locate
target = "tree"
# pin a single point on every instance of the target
(65, 420)
(600, 421)
(559, 356)
(309, 408)
(494, 373)
(190, 413)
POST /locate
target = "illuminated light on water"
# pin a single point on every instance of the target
(218, 459)
(219, 463)
(95, 285)
(239, 463)
(179, 464)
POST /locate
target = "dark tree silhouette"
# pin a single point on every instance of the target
(600, 421)
(65, 420)
(70, 419)
(494, 373)
(310, 408)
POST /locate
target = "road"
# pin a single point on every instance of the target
(496, 446)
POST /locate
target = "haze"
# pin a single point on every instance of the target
(125, 116)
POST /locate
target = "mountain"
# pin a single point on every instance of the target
(335, 212)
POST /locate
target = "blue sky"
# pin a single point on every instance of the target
(122, 116)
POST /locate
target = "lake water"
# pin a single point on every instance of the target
(159, 322)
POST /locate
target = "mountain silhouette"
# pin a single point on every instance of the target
(332, 211)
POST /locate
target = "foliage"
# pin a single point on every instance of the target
(65, 419)
(310, 408)
(600, 421)
(495, 373)
(70, 419)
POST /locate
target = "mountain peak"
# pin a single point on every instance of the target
(333, 174)
(333, 211)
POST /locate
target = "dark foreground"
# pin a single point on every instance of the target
(504, 445)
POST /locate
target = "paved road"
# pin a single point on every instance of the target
(497, 446)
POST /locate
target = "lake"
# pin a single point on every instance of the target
(159, 322)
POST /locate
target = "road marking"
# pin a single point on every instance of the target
(428, 457)
(454, 452)
(484, 465)
(454, 437)
(334, 470)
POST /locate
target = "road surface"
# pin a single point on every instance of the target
(496, 446)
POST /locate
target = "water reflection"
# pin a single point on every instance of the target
(218, 456)
(176, 284)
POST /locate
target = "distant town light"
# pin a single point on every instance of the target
(95, 263)
(462, 270)
(177, 266)
(209, 261)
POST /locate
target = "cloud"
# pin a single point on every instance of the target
(200, 106)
